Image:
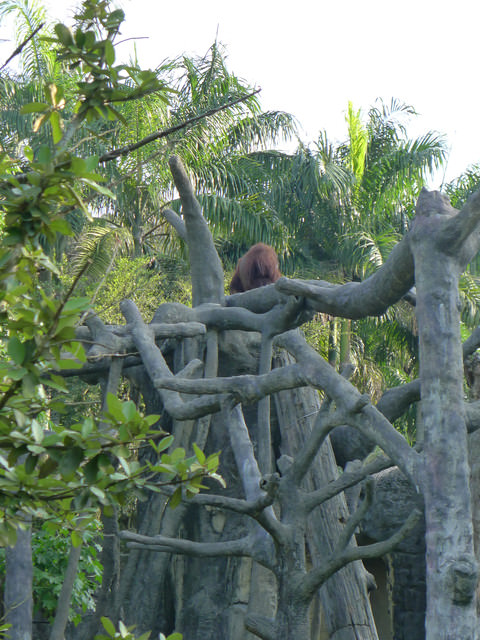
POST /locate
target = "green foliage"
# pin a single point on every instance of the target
(220, 151)
(147, 281)
(317, 334)
(45, 469)
(50, 549)
(126, 633)
(335, 198)
(462, 187)
(358, 142)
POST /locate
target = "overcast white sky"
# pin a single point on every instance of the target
(310, 57)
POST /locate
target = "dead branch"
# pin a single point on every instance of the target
(123, 151)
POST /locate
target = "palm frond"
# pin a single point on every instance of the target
(249, 219)
(98, 246)
(363, 253)
(462, 187)
(37, 57)
(358, 138)
(470, 299)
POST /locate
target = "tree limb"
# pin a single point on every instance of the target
(176, 222)
(241, 547)
(249, 472)
(354, 300)
(21, 46)
(325, 421)
(156, 367)
(356, 407)
(346, 480)
(246, 507)
(316, 577)
(245, 388)
(394, 402)
(206, 269)
(355, 519)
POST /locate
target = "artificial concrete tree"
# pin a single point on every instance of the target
(272, 521)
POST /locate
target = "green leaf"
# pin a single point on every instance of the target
(87, 427)
(103, 190)
(129, 410)
(78, 199)
(70, 461)
(29, 385)
(34, 107)
(44, 154)
(109, 53)
(30, 463)
(79, 38)
(56, 382)
(37, 431)
(108, 626)
(199, 453)
(68, 363)
(77, 304)
(62, 226)
(98, 493)
(124, 464)
(176, 498)
(114, 406)
(64, 34)
(177, 455)
(56, 124)
(164, 444)
(91, 470)
(16, 350)
(77, 539)
(47, 468)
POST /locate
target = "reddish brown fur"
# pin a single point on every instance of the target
(258, 267)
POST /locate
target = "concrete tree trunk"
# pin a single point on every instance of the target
(452, 571)
(18, 597)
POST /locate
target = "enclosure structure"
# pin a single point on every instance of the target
(265, 556)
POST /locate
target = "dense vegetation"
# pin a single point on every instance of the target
(85, 187)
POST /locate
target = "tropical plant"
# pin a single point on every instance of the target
(36, 189)
(345, 207)
(216, 124)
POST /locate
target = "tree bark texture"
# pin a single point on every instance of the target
(59, 625)
(451, 566)
(214, 597)
(394, 496)
(201, 597)
(18, 599)
(296, 410)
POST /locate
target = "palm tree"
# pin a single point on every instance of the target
(389, 169)
(37, 66)
(346, 206)
(221, 152)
